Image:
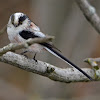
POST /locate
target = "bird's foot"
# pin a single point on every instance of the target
(23, 53)
(34, 58)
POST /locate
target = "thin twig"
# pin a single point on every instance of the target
(93, 62)
(95, 66)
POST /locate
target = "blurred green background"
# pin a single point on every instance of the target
(75, 37)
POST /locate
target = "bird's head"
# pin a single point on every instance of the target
(18, 19)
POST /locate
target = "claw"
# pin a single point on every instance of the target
(22, 53)
(35, 58)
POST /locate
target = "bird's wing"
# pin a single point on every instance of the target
(34, 32)
(25, 34)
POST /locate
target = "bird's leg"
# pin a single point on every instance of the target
(35, 57)
(23, 53)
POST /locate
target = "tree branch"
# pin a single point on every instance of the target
(90, 13)
(54, 73)
(26, 44)
(42, 68)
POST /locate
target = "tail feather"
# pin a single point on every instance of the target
(57, 54)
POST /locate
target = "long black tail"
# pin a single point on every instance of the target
(54, 52)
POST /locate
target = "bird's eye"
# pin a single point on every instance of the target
(21, 19)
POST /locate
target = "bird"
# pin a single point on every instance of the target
(20, 28)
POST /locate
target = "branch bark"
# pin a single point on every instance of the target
(54, 73)
(90, 13)
(26, 44)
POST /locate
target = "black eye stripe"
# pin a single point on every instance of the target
(22, 18)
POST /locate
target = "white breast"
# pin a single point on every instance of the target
(13, 35)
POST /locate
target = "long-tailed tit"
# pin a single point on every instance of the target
(21, 28)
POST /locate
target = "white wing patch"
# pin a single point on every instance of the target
(38, 33)
(36, 30)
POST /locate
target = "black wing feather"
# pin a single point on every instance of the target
(27, 34)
